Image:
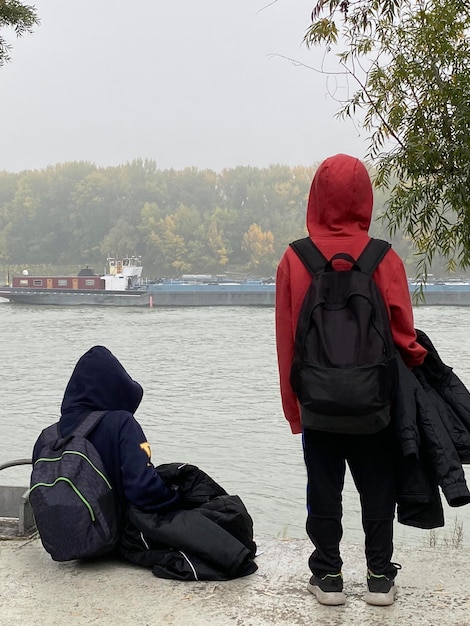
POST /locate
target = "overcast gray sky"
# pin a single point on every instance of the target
(183, 82)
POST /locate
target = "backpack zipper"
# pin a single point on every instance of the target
(77, 491)
(84, 457)
(69, 482)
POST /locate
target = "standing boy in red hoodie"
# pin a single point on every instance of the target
(338, 218)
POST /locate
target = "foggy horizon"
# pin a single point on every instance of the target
(206, 85)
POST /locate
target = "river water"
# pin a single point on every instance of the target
(211, 397)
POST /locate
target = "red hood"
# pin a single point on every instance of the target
(341, 199)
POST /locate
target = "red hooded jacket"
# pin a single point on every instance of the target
(338, 218)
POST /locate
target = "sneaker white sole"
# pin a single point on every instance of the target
(328, 598)
(381, 599)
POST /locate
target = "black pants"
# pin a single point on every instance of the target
(371, 460)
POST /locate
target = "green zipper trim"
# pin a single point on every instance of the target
(59, 458)
(69, 482)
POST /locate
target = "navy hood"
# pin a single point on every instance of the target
(100, 383)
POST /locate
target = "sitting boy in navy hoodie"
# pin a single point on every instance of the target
(100, 383)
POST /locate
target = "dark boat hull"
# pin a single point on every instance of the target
(75, 297)
(156, 297)
(445, 294)
(179, 295)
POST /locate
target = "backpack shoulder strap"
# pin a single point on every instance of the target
(309, 254)
(372, 255)
(90, 421)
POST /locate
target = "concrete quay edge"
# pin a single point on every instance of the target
(434, 590)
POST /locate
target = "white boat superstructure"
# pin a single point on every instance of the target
(123, 274)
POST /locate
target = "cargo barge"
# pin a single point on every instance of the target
(123, 285)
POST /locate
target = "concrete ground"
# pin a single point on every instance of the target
(434, 590)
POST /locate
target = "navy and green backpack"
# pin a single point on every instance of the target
(72, 499)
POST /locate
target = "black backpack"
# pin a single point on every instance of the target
(72, 499)
(344, 366)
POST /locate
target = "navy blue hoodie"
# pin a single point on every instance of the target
(100, 383)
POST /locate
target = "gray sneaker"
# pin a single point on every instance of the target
(328, 589)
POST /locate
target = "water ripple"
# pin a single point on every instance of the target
(211, 395)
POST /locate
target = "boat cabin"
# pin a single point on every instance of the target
(124, 274)
(92, 282)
